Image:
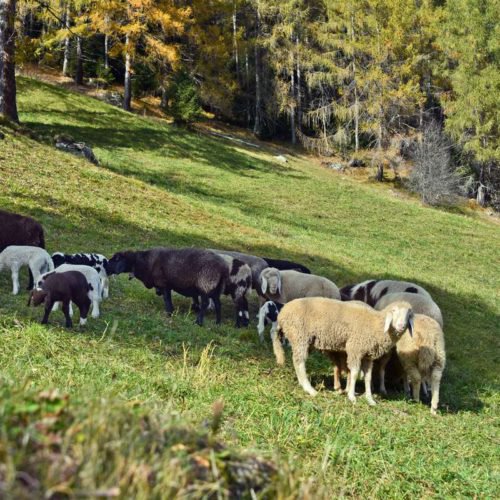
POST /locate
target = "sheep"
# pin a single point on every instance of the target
(423, 356)
(238, 283)
(14, 256)
(20, 230)
(268, 313)
(192, 272)
(330, 325)
(284, 265)
(93, 279)
(95, 260)
(421, 304)
(65, 287)
(257, 265)
(284, 286)
(371, 291)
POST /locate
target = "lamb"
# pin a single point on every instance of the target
(65, 287)
(95, 260)
(93, 280)
(284, 286)
(423, 356)
(14, 256)
(191, 272)
(18, 229)
(284, 265)
(421, 304)
(371, 291)
(333, 326)
(268, 313)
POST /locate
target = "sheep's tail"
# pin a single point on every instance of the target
(279, 352)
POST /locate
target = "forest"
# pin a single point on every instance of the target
(371, 80)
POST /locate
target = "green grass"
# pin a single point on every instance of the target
(161, 185)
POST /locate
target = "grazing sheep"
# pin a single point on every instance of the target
(18, 229)
(238, 283)
(421, 304)
(268, 313)
(257, 265)
(422, 357)
(93, 280)
(191, 272)
(284, 265)
(65, 287)
(95, 260)
(330, 325)
(14, 256)
(371, 291)
(284, 286)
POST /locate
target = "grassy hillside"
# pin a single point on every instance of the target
(161, 185)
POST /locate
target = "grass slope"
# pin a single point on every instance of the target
(161, 185)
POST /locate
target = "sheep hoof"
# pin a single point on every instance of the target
(434, 411)
(352, 399)
(372, 402)
(312, 392)
(83, 321)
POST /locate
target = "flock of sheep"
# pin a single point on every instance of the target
(371, 324)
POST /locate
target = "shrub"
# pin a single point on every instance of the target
(183, 100)
(433, 176)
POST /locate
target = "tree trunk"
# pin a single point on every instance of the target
(127, 95)
(356, 98)
(299, 87)
(247, 74)
(8, 103)
(67, 46)
(79, 61)
(106, 46)
(235, 42)
(292, 107)
(257, 127)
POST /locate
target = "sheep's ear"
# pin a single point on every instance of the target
(411, 325)
(279, 283)
(388, 322)
(263, 282)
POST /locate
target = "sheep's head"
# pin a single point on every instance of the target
(37, 296)
(398, 318)
(121, 262)
(270, 278)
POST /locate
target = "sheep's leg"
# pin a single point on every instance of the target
(167, 299)
(217, 306)
(203, 308)
(65, 309)
(406, 385)
(354, 366)
(299, 363)
(195, 304)
(383, 363)
(368, 369)
(279, 353)
(337, 371)
(15, 279)
(261, 324)
(415, 380)
(105, 287)
(95, 305)
(31, 282)
(435, 384)
(71, 309)
(84, 311)
(48, 308)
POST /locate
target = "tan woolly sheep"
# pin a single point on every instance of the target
(333, 326)
(422, 356)
(284, 286)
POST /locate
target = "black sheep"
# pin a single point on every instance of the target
(287, 265)
(190, 272)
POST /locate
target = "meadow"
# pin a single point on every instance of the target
(159, 184)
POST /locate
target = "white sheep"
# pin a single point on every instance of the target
(93, 280)
(284, 286)
(423, 356)
(16, 256)
(333, 326)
